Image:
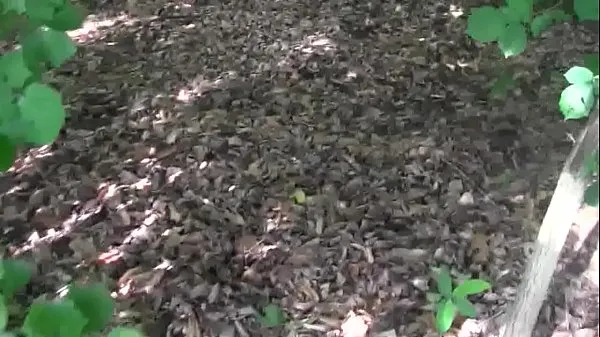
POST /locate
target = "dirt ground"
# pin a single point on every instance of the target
(191, 124)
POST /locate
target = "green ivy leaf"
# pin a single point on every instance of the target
(464, 307)
(95, 303)
(39, 10)
(8, 153)
(502, 85)
(299, 197)
(513, 41)
(42, 106)
(125, 332)
(69, 17)
(3, 313)
(590, 61)
(486, 24)
(14, 69)
(272, 316)
(16, 129)
(586, 9)
(444, 282)
(445, 316)
(47, 45)
(576, 101)
(539, 24)
(579, 75)
(6, 97)
(591, 194)
(471, 287)
(53, 319)
(16, 276)
(519, 10)
(543, 21)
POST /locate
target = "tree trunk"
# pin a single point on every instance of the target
(566, 201)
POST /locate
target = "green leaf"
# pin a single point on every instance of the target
(543, 21)
(486, 24)
(53, 319)
(590, 61)
(444, 282)
(13, 67)
(8, 153)
(502, 85)
(125, 332)
(272, 316)
(47, 45)
(16, 276)
(95, 303)
(576, 101)
(42, 106)
(3, 314)
(520, 10)
(591, 194)
(579, 75)
(586, 9)
(69, 17)
(6, 97)
(39, 10)
(445, 316)
(299, 197)
(471, 287)
(513, 41)
(464, 307)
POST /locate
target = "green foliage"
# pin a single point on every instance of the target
(586, 9)
(510, 26)
(33, 112)
(576, 102)
(14, 276)
(54, 319)
(272, 316)
(83, 311)
(95, 304)
(578, 99)
(591, 194)
(3, 314)
(451, 301)
(502, 85)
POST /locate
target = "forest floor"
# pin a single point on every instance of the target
(191, 125)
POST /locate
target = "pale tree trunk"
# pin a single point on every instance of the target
(566, 201)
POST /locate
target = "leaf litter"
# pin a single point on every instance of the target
(191, 124)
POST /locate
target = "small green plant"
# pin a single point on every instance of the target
(32, 112)
(511, 25)
(450, 301)
(272, 316)
(84, 311)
